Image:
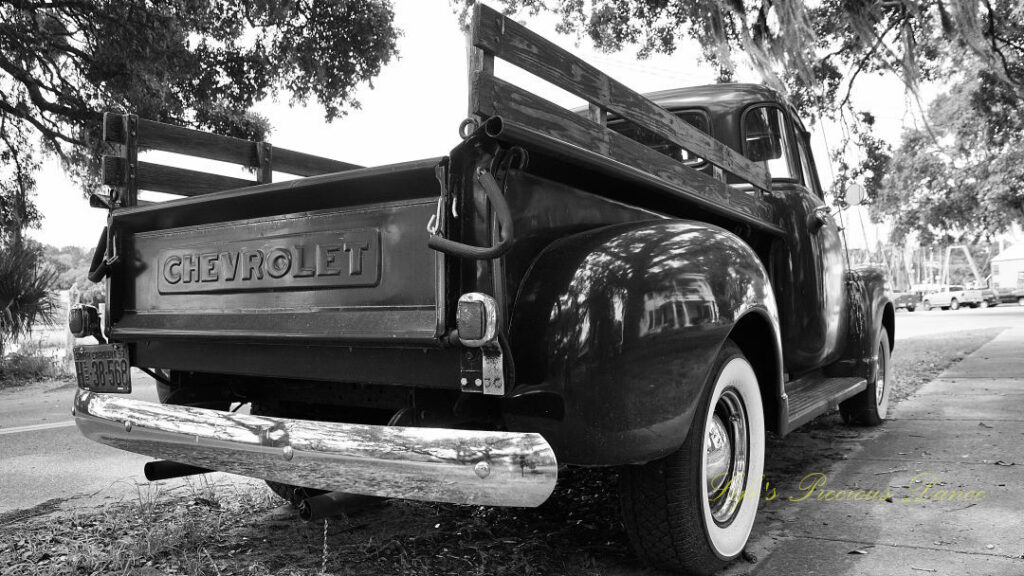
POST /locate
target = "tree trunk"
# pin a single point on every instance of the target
(69, 345)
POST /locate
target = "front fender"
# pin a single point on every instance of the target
(614, 330)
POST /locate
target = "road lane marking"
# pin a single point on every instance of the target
(34, 427)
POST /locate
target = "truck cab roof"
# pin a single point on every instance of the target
(716, 97)
(722, 104)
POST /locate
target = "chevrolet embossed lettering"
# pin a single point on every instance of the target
(349, 258)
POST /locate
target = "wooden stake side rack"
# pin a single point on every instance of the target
(127, 175)
(495, 36)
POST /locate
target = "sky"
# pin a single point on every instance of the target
(417, 102)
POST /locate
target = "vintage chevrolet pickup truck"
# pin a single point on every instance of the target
(652, 284)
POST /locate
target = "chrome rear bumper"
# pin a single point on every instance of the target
(433, 464)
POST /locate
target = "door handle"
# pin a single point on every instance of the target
(818, 218)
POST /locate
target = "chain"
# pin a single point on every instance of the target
(323, 563)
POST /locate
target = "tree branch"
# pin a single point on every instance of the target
(50, 134)
(993, 36)
(863, 62)
(32, 87)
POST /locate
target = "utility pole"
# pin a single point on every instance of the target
(970, 262)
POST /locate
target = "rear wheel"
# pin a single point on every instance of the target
(692, 511)
(984, 304)
(870, 407)
(927, 306)
(1020, 301)
(910, 308)
(954, 304)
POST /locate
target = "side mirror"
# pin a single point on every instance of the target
(856, 194)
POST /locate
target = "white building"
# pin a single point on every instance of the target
(1008, 269)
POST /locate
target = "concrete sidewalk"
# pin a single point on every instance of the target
(959, 435)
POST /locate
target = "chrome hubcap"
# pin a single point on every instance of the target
(726, 452)
(719, 455)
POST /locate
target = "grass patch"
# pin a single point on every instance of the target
(916, 361)
(229, 530)
(220, 530)
(157, 533)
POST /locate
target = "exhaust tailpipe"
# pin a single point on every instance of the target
(333, 504)
(165, 470)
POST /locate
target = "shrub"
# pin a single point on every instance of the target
(23, 368)
(25, 297)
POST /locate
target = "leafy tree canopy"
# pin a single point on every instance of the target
(962, 178)
(199, 63)
(71, 266)
(814, 51)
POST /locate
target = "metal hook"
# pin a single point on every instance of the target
(434, 224)
(467, 127)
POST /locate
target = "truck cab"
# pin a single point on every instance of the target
(761, 125)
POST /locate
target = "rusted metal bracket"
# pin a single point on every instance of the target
(493, 371)
(483, 371)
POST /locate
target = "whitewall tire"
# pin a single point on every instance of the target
(693, 510)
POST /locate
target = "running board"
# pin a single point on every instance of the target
(814, 395)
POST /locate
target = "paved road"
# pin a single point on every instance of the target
(43, 457)
(921, 323)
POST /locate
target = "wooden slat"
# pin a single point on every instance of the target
(516, 44)
(159, 178)
(301, 164)
(170, 138)
(515, 105)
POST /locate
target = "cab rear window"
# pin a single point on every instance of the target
(696, 118)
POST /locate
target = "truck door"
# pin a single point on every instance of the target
(807, 268)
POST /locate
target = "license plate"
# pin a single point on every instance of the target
(103, 368)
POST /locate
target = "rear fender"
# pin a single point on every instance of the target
(614, 330)
(870, 308)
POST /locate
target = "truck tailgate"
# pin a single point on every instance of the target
(335, 258)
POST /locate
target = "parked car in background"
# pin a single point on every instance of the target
(907, 300)
(1011, 296)
(989, 298)
(951, 297)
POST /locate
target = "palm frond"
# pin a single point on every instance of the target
(25, 291)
